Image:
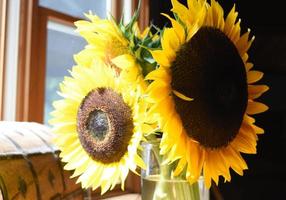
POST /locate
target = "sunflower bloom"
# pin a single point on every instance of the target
(104, 38)
(203, 92)
(98, 126)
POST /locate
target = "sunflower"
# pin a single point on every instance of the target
(203, 92)
(105, 40)
(98, 126)
(117, 45)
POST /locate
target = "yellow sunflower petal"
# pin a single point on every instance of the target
(243, 44)
(147, 129)
(196, 158)
(158, 90)
(161, 58)
(234, 34)
(172, 125)
(255, 107)
(255, 91)
(178, 28)
(83, 160)
(257, 129)
(180, 167)
(139, 162)
(248, 66)
(170, 43)
(66, 156)
(64, 128)
(213, 166)
(254, 76)
(230, 20)
(181, 11)
(182, 96)
(225, 166)
(161, 73)
(164, 108)
(97, 181)
(235, 160)
(207, 175)
(104, 37)
(85, 177)
(244, 143)
(125, 61)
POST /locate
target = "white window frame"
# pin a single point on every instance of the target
(11, 61)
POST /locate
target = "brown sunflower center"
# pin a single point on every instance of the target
(209, 69)
(104, 125)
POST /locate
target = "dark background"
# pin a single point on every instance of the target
(266, 176)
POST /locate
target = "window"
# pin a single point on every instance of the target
(62, 43)
(76, 8)
(48, 42)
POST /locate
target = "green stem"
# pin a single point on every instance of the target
(182, 189)
(164, 188)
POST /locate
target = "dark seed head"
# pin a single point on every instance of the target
(209, 69)
(104, 125)
(98, 124)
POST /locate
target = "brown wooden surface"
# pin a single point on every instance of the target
(38, 71)
(37, 176)
(133, 183)
(28, 59)
(30, 167)
(116, 9)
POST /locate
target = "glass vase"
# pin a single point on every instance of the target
(157, 182)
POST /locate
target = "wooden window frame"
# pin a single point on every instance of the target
(32, 58)
(32, 65)
(144, 14)
(28, 58)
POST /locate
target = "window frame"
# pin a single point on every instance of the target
(32, 60)
(10, 59)
(144, 13)
(3, 9)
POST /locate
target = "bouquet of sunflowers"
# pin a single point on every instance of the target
(190, 85)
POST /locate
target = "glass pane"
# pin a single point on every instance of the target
(77, 7)
(62, 43)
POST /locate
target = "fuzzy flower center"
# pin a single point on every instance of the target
(104, 125)
(209, 69)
